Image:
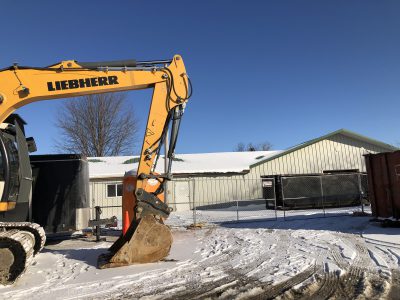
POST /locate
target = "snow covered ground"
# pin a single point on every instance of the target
(341, 257)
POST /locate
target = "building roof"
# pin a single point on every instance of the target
(202, 163)
(345, 132)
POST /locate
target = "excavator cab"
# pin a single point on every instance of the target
(15, 168)
(19, 239)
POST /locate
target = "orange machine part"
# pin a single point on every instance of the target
(129, 198)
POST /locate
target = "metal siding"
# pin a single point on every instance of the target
(98, 197)
(297, 156)
(335, 153)
(355, 150)
(313, 163)
(326, 158)
(182, 195)
(328, 161)
(310, 162)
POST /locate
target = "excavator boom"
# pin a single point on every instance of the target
(145, 239)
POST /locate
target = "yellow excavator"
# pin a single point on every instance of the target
(145, 238)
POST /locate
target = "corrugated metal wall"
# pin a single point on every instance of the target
(203, 190)
(336, 153)
(98, 197)
(214, 189)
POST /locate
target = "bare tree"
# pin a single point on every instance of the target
(251, 147)
(264, 146)
(97, 125)
(240, 147)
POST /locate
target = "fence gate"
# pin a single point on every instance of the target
(182, 195)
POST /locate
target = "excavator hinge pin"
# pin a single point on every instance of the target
(164, 76)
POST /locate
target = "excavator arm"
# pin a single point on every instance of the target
(146, 239)
(20, 86)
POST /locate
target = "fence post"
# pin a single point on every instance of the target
(276, 213)
(98, 230)
(194, 202)
(283, 199)
(93, 210)
(322, 194)
(237, 210)
(360, 193)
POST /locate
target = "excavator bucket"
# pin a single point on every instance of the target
(143, 240)
(147, 241)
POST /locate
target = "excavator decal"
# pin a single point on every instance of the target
(81, 83)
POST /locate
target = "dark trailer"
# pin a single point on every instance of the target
(297, 191)
(60, 197)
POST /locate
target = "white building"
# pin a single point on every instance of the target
(210, 178)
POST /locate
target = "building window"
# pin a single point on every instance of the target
(114, 190)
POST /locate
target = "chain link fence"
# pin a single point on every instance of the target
(216, 200)
(204, 200)
(322, 195)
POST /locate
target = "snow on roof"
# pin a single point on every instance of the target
(222, 162)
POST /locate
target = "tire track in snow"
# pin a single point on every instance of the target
(278, 289)
(233, 281)
(359, 281)
(245, 264)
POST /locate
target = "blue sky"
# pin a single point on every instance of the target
(277, 71)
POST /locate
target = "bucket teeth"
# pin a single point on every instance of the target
(145, 242)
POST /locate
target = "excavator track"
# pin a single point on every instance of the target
(19, 242)
(37, 231)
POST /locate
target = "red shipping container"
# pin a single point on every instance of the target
(384, 184)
